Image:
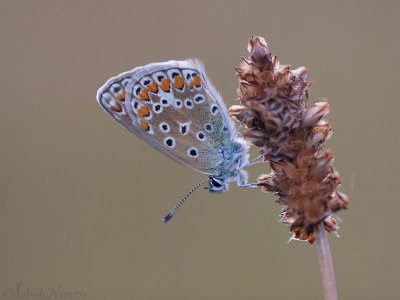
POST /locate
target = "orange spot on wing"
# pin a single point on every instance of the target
(121, 96)
(116, 107)
(144, 125)
(178, 82)
(143, 111)
(165, 85)
(191, 83)
(143, 95)
(196, 80)
(152, 87)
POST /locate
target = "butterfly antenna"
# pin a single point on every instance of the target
(172, 212)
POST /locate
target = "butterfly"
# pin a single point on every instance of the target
(173, 107)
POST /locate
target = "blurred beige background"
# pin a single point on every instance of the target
(82, 200)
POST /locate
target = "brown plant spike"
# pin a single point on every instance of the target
(274, 108)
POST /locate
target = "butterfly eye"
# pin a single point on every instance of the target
(215, 183)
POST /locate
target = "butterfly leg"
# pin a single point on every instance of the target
(242, 177)
(249, 185)
(253, 162)
(238, 129)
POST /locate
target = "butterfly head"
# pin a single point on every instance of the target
(218, 183)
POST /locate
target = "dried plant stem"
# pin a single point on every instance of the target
(290, 134)
(325, 261)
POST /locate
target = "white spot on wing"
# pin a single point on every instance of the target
(178, 103)
(214, 109)
(164, 127)
(208, 127)
(199, 98)
(157, 108)
(200, 136)
(184, 128)
(169, 142)
(189, 103)
(192, 152)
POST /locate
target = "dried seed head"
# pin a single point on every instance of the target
(273, 107)
(313, 115)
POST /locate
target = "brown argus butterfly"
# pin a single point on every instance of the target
(174, 108)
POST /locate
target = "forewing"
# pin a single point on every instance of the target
(174, 108)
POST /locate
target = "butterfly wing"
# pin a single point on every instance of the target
(174, 108)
